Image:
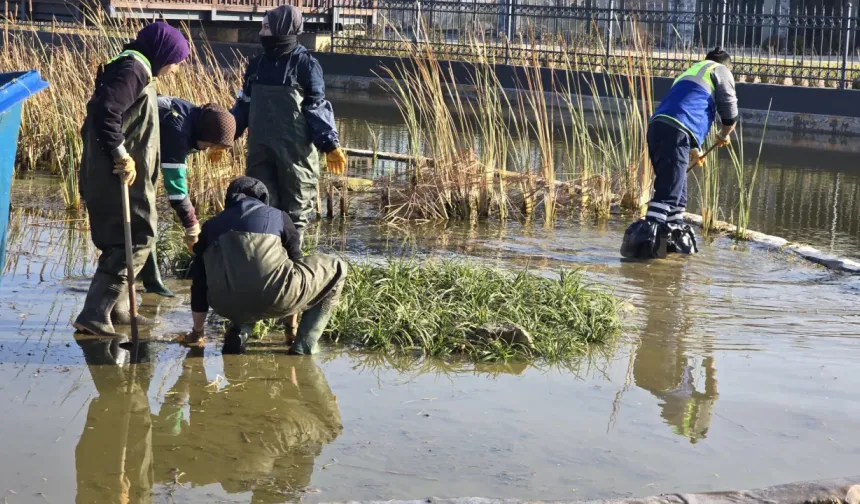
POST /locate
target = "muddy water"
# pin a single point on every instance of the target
(802, 194)
(738, 370)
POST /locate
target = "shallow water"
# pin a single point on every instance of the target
(810, 195)
(737, 371)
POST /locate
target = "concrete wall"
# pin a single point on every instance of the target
(803, 111)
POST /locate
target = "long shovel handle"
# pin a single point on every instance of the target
(704, 154)
(129, 261)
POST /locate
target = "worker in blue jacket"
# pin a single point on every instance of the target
(185, 129)
(676, 133)
(282, 105)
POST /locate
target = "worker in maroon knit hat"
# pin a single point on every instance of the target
(186, 129)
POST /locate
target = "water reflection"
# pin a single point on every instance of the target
(255, 430)
(113, 458)
(270, 423)
(669, 363)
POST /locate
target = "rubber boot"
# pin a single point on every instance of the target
(236, 337)
(312, 325)
(121, 313)
(102, 295)
(150, 275)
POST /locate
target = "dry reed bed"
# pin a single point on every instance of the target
(471, 143)
(493, 155)
(50, 133)
(497, 155)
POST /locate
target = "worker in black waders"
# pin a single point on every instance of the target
(282, 104)
(185, 129)
(121, 146)
(249, 267)
(676, 133)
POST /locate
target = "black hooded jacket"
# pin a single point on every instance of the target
(287, 63)
(245, 211)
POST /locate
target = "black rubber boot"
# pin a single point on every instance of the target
(645, 239)
(102, 296)
(682, 239)
(150, 275)
(121, 313)
(236, 337)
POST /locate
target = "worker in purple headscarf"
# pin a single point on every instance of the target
(121, 146)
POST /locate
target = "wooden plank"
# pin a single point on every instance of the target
(387, 156)
(240, 6)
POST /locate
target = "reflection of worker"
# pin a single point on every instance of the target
(663, 364)
(273, 421)
(283, 106)
(249, 267)
(676, 133)
(185, 129)
(113, 458)
(121, 145)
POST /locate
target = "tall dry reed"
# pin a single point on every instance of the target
(50, 135)
(586, 126)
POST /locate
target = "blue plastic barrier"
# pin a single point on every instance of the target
(15, 87)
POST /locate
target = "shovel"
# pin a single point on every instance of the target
(129, 261)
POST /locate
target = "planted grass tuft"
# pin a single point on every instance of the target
(439, 308)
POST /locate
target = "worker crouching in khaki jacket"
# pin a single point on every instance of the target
(249, 267)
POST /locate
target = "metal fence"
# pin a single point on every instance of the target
(772, 41)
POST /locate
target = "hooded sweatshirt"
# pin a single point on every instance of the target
(255, 244)
(120, 82)
(287, 63)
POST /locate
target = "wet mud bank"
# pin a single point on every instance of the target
(845, 490)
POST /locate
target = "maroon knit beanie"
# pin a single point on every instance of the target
(215, 125)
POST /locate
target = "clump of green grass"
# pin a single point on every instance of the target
(433, 308)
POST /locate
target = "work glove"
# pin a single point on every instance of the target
(722, 141)
(216, 154)
(125, 168)
(191, 235)
(697, 157)
(336, 161)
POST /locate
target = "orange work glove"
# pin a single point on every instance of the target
(696, 157)
(336, 161)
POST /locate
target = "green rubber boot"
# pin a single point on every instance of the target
(312, 325)
(150, 275)
(102, 296)
(121, 313)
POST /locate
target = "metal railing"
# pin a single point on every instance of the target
(771, 41)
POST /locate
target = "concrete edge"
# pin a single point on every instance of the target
(780, 244)
(841, 490)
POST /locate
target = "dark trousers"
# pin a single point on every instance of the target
(669, 150)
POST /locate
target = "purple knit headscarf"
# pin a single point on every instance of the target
(162, 44)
